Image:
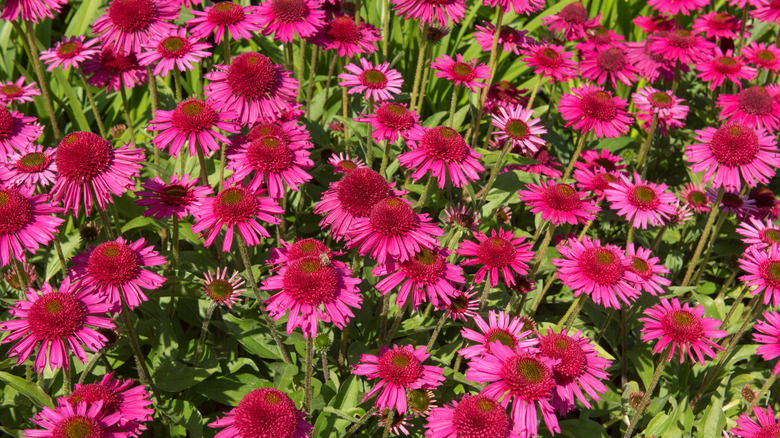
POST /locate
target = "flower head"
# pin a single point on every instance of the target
(525, 7)
(194, 122)
(650, 101)
(766, 426)
(89, 420)
(11, 91)
(651, 65)
(378, 82)
(767, 204)
(173, 50)
(608, 63)
(500, 328)
(763, 55)
(768, 334)
(31, 10)
(596, 180)
(767, 11)
(460, 72)
(599, 38)
(221, 289)
(180, 197)
(518, 126)
(559, 203)
(128, 24)
(287, 18)
(114, 70)
(264, 412)
(502, 252)
(16, 131)
(641, 202)
(648, 269)
(551, 61)
(679, 45)
(754, 232)
(694, 196)
(763, 272)
(27, 220)
(69, 52)
(592, 109)
(443, 152)
(718, 25)
(573, 20)
(118, 396)
(754, 106)
(391, 120)
(31, 166)
(463, 305)
(239, 22)
(347, 37)
(674, 7)
(474, 416)
(430, 11)
(509, 39)
(717, 67)
(342, 163)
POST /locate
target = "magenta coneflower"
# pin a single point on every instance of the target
(648, 269)
(559, 203)
(352, 198)
(654, 23)
(303, 248)
(768, 11)
(463, 305)
(519, 377)
(128, 24)
(251, 86)
(91, 420)
(393, 230)
(550, 61)
(29, 276)
(461, 215)
(509, 39)
(265, 412)
(378, 82)
(221, 289)
(763, 55)
(313, 290)
(600, 38)
(17, 131)
(392, 119)
(236, 208)
(31, 10)
(427, 276)
(342, 163)
(717, 67)
(681, 327)
(679, 45)
(763, 272)
(399, 369)
(731, 151)
(601, 271)
(443, 152)
(769, 335)
(193, 122)
(58, 323)
(752, 106)
(580, 369)
(600, 160)
(475, 416)
(608, 63)
(86, 162)
(592, 109)
(733, 202)
(430, 11)
(502, 252)
(114, 70)
(518, 126)
(70, 52)
(504, 94)
(27, 220)
(274, 160)
(573, 20)
(695, 197)
(240, 22)
(674, 7)
(459, 72)
(287, 18)
(31, 166)
(119, 267)
(173, 50)
(595, 180)
(718, 25)
(671, 112)
(766, 202)
(347, 37)
(500, 328)
(641, 202)
(546, 164)
(766, 426)
(11, 92)
(525, 7)
(118, 396)
(178, 196)
(759, 234)
(651, 65)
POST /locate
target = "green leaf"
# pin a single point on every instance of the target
(173, 376)
(28, 389)
(582, 428)
(251, 334)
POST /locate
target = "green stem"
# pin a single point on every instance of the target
(583, 138)
(645, 149)
(703, 238)
(424, 82)
(385, 157)
(553, 86)
(388, 423)
(91, 98)
(226, 46)
(604, 327)
(21, 276)
(573, 311)
(492, 66)
(361, 421)
(176, 82)
(174, 262)
(115, 216)
(67, 386)
(385, 311)
(485, 293)
(726, 286)
(102, 213)
(648, 393)
(36, 62)
(204, 329)
(453, 105)
(90, 366)
(126, 110)
(706, 259)
(533, 92)
(204, 176)
(542, 249)
(769, 382)
(494, 174)
(222, 160)
(541, 295)
(310, 85)
(301, 55)
(309, 368)
(658, 238)
(396, 321)
(424, 195)
(325, 370)
(420, 61)
(290, 56)
(140, 361)
(327, 85)
(436, 331)
(386, 28)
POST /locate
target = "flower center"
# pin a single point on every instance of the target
(755, 101)
(373, 78)
(344, 30)
(269, 154)
(419, 400)
(393, 217)
(235, 205)
(117, 63)
(114, 264)
(572, 359)
(549, 57)
(82, 156)
(463, 72)
(640, 267)
(93, 392)
(721, 21)
(307, 248)
(424, 268)
(599, 105)
(173, 47)
(219, 290)
(682, 39)
(359, 190)
(659, 99)
(347, 165)
(496, 252)
(733, 201)
(33, 162)
(517, 129)
(56, 315)
(501, 335)
(734, 145)
(310, 282)
(395, 116)
(11, 90)
(770, 235)
(527, 377)
(15, 211)
(69, 49)
(132, 15)
(768, 431)
(601, 265)
(682, 326)
(765, 55)
(226, 13)
(770, 271)
(727, 65)
(266, 412)
(600, 35)
(643, 197)
(175, 194)
(289, 11)
(480, 416)
(443, 143)
(400, 367)
(574, 13)
(612, 60)
(252, 75)
(263, 129)
(562, 197)
(697, 198)
(193, 116)
(77, 426)
(6, 123)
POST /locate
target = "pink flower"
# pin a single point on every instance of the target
(29, 167)
(641, 202)
(753, 106)
(525, 7)
(763, 55)
(647, 268)
(766, 426)
(392, 120)
(759, 234)
(695, 198)
(117, 396)
(117, 267)
(173, 50)
(285, 19)
(601, 271)
(11, 92)
(475, 416)
(463, 306)
(461, 73)
(58, 323)
(717, 67)
(399, 369)
(600, 38)
(342, 163)
(596, 180)
(500, 328)
(651, 65)
(90, 419)
(546, 164)
(733, 202)
(428, 11)
(502, 252)
(221, 289)
(509, 39)
(194, 122)
(443, 152)
(767, 205)
(763, 271)
(504, 94)
(236, 208)
(393, 230)
(679, 45)
(573, 20)
(674, 7)
(559, 203)
(769, 335)
(180, 197)
(114, 70)
(731, 151)
(70, 52)
(610, 62)
(517, 126)
(718, 25)
(255, 411)
(592, 109)
(128, 24)
(27, 220)
(303, 248)
(600, 160)
(426, 275)
(347, 37)
(671, 112)
(654, 23)
(313, 290)
(223, 18)
(767, 12)
(378, 82)
(16, 131)
(31, 10)
(681, 327)
(550, 61)
(252, 86)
